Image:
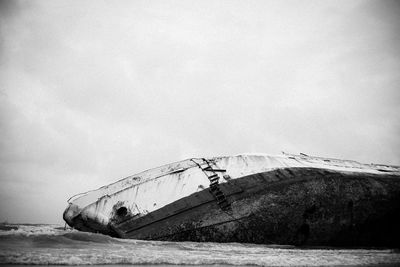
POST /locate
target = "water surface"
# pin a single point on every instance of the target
(52, 245)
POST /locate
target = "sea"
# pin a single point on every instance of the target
(44, 244)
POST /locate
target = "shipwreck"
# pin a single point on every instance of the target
(285, 199)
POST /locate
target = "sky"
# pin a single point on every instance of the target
(94, 91)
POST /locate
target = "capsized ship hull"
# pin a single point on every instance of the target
(288, 199)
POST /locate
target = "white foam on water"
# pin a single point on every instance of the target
(29, 230)
(47, 245)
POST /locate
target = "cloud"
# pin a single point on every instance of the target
(92, 91)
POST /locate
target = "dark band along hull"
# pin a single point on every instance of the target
(289, 205)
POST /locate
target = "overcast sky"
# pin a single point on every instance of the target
(93, 91)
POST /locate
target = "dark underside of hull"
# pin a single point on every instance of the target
(297, 206)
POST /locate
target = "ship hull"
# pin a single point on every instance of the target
(289, 199)
(297, 206)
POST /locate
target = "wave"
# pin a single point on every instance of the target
(30, 229)
(50, 244)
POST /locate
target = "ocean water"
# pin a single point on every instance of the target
(52, 245)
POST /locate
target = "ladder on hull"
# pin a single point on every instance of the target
(215, 190)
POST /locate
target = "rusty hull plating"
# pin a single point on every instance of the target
(287, 199)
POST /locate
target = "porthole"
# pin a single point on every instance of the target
(122, 211)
